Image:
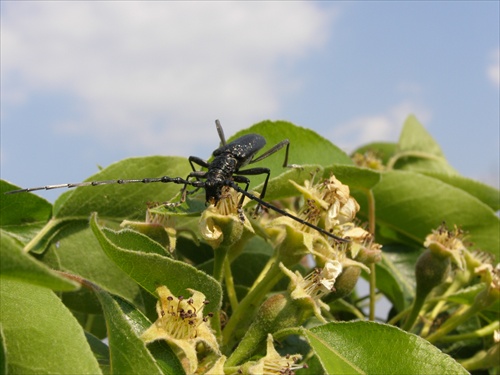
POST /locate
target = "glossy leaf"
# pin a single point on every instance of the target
(151, 270)
(395, 275)
(306, 147)
(418, 151)
(486, 194)
(124, 201)
(101, 352)
(75, 250)
(18, 265)
(22, 215)
(41, 335)
(413, 204)
(374, 348)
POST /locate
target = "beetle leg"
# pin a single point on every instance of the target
(274, 149)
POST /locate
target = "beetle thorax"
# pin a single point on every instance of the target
(221, 169)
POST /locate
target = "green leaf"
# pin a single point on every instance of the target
(22, 208)
(18, 265)
(374, 348)
(396, 274)
(413, 204)
(164, 356)
(306, 147)
(3, 352)
(117, 202)
(128, 353)
(133, 240)
(75, 250)
(466, 296)
(41, 335)
(486, 194)
(418, 151)
(355, 177)
(22, 215)
(101, 352)
(151, 270)
(247, 266)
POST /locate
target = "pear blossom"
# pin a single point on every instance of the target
(181, 323)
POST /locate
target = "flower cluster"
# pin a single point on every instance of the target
(330, 205)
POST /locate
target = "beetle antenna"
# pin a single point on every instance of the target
(164, 179)
(283, 212)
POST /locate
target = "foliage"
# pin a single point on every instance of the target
(90, 267)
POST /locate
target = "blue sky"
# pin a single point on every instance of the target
(89, 83)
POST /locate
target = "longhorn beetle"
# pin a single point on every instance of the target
(223, 170)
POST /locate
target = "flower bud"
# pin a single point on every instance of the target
(278, 312)
(346, 282)
(430, 271)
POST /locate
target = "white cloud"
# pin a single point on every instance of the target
(142, 69)
(494, 68)
(384, 127)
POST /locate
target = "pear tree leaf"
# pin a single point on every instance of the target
(76, 251)
(395, 274)
(22, 215)
(486, 194)
(120, 201)
(151, 270)
(418, 151)
(40, 333)
(373, 348)
(413, 205)
(18, 265)
(306, 147)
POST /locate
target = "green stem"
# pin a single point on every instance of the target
(399, 316)
(458, 282)
(373, 278)
(219, 259)
(460, 316)
(220, 255)
(228, 278)
(246, 309)
(373, 294)
(418, 303)
(478, 333)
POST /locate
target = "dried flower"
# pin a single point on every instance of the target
(182, 324)
(274, 363)
(224, 223)
(218, 367)
(368, 160)
(309, 290)
(447, 243)
(490, 276)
